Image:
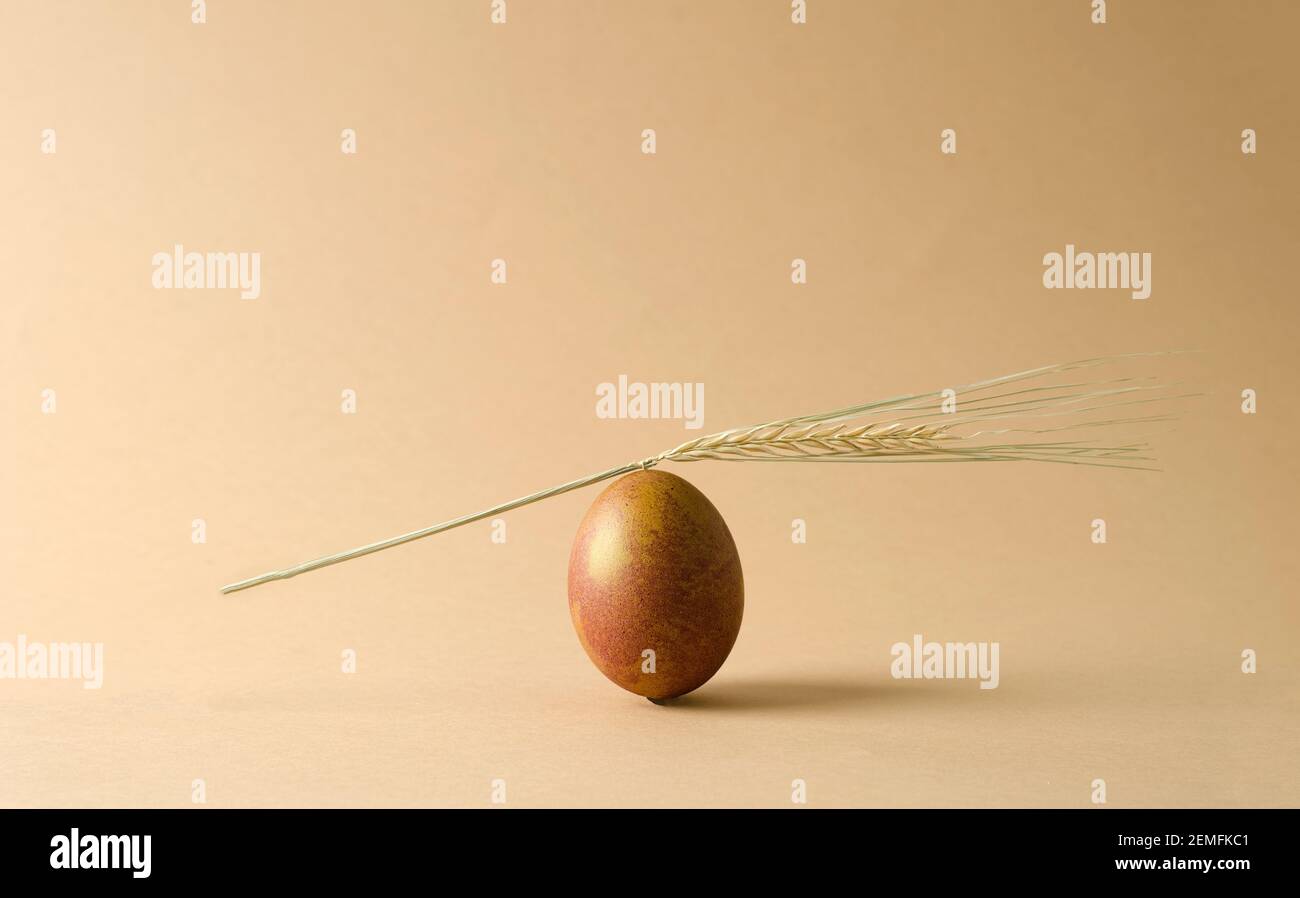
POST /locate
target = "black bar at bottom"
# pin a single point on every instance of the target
(331, 847)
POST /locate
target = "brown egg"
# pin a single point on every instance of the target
(654, 570)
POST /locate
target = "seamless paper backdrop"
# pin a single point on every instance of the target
(523, 142)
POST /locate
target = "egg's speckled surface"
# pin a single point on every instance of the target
(654, 567)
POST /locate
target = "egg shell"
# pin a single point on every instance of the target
(654, 568)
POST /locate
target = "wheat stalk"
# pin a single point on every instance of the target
(914, 428)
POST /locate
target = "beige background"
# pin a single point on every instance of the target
(521, 141)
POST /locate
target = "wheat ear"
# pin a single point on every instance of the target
(983, 426)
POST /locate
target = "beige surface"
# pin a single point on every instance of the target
(521, 141)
